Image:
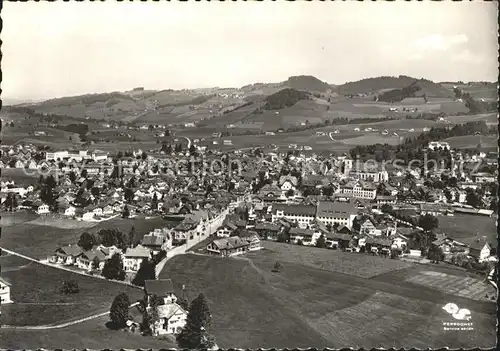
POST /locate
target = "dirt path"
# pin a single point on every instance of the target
(257, 269)
(61, 325)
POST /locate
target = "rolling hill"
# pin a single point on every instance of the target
(307, 83)
(381, 84)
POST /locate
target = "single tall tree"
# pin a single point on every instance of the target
(146, 272)
(87, 241)
(126, 212)
(195, 333)
(321, 242)
(428, 222)
(151, 316)
(131, 237)
(113, 268)
(119, 310)
(154, 202)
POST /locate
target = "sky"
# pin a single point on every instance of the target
(69, 48)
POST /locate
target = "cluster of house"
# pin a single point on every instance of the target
(94, 259)
(192, 225)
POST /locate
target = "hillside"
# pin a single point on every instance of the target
(307, 83)
(379, 84)
(284, 98)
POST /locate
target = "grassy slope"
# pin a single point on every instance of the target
(364, 266)
(40, 241)
(88, 335)
(465, 226)
(34, 284)
(307, 307)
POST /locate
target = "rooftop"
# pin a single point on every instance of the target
(160, 287)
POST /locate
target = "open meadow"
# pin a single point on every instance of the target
(92, 334)
(471, 141)
(466, 226)
(360, 265)
(39, 238)
(305, 306)
(38, 301)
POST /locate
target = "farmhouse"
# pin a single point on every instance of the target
(156, 242)
(68, 210)
(42, 209)
(133, 258)
(479, 248)
(306, 236)
(85, 259)
(252, 238)
(267, 230)
(231, 246)
(171, 319)
(288, 183)
(171, 316)
(226, 229)
(337, 240)
(66, 255)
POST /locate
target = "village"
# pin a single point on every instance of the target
(230, 210)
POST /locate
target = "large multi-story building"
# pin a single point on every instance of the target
(340, 213)
(301, 214)
(326, 212)
(376, 176)
(360, 190)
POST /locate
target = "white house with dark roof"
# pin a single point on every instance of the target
(226, 229)
(133, 258)
(171, 316)
(86, 259)
(231, 246)
(66, 255)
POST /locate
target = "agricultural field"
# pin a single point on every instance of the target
(471, 141)
(360, 265)
(20, 176)
(486, 91)
(39, 238)
(489, 118)
(467, 226)
(38, 301)
(93, 334)
(472, 288)
(305, 306)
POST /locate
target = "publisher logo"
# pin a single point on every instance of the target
(461, 318)
(462, 314)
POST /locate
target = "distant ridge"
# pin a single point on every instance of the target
(307, 83)
(377, 84)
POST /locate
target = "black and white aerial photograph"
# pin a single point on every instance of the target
(215, 175)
